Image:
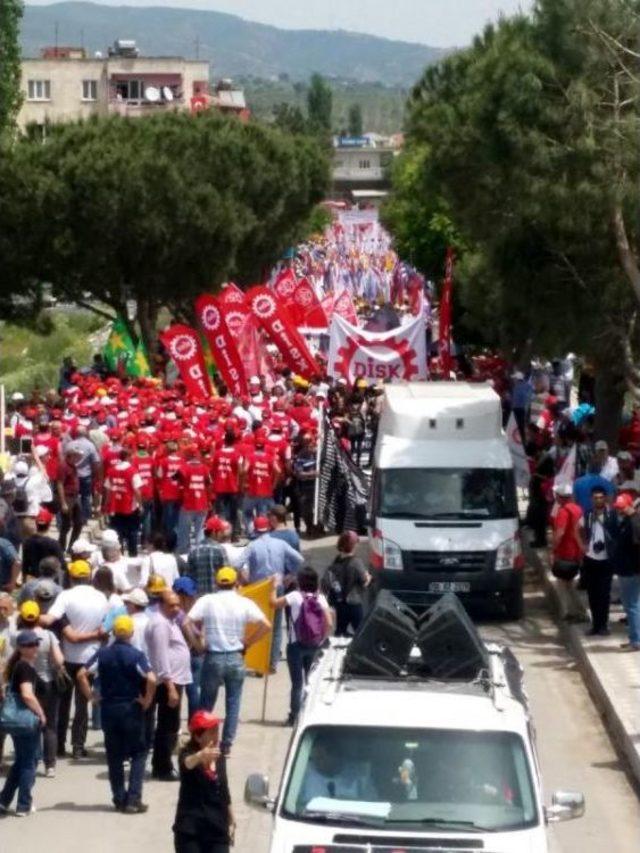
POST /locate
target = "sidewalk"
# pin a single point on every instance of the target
(611, 674)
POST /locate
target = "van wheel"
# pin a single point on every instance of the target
(514, 604)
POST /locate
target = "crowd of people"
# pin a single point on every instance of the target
(130, 519)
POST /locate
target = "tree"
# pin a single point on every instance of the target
(319, 104)
(290, 119)
(530, 139)
(355, 120)
(10, 98)
(159, 210)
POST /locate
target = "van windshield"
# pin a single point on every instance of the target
(446, 493)
(468, 781)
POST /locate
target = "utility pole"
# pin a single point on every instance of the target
(55, 36)
(197, 47)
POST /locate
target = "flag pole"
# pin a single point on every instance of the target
(264, 697)
(316, 496)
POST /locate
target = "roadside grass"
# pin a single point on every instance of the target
(31, 358)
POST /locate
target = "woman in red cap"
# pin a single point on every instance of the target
(204, 820)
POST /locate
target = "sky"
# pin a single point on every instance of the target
(439, 23)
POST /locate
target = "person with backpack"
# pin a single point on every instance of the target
(309, 625)
(344, 584)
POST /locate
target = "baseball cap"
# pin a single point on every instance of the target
(156, 584)
(21, 469)
(623, 501)
(226, 576)
(202, 720)
(136, 596)
(109, 537)
(45, 589)
(79, 569)
(27, 638)
(82, 546)
(123, 626)
(625, 456)
(44, 517)
(601, 445)
(563, 490)
(261, 524)
(213, 524)
(30, 611)
(185, 586)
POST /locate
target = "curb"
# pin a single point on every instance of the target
(625, 742)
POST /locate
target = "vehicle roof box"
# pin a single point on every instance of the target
(437, 411)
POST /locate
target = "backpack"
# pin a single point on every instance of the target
(309, 627)
(21, 501)
(333, 586)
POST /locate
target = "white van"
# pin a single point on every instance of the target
(443, 511)
(378, 765)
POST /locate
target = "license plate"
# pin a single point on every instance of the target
(450, 586)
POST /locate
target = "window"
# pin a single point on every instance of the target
(130, 90)
(394, 778)
(39, 90)
(89, 90)
(364, 164)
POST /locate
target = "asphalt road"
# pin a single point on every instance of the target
(74, 815)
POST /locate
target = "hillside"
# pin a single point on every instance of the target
(235, 47)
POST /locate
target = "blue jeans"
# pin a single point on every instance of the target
(193, 690)
(86, 492)
(276, 634)
(227, 505)
(299, 660)
(22, 775)
(170, 515)
(252, 508)
(223, 668)
(190, 520)
(630, 597)
(124, 738)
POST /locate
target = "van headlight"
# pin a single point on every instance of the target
(509, 555)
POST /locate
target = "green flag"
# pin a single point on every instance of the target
(139, 364)
(119, 347)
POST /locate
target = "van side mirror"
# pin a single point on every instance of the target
(565, 805)
(256, 792)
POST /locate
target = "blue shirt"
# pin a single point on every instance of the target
(8, 556)
(267, 556)
(521, 394)
(287, 535)
(583, 487)
(121, 668)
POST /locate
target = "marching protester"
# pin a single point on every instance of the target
(344, 584)
(567, 553)
(600, 531)
(206, 557)
(626, 566)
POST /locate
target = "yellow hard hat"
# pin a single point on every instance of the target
(30, 611)
(80, 569)
(123, 626)
(156, 584)
(301, 382)
(226, 576)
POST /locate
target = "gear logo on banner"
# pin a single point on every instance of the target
(210, 318)
(264, 306)
(304, 297)
(182, 348)
(286, 286)
(235, 321)
(400, 361)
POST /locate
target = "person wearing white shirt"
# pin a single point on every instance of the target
(160, 561)
(230, 624)
(84, 609)
(608, 465)
(136, 603)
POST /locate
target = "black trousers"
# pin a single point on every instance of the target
(348, 615)
(48, 696)
(197, 844)
(70, 521)
(596, 576)
(167, 726)
(80, 717)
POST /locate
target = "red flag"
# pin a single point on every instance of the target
(184, 347)
(222, 343)
(305, 307)
(243, 326)
(343, 306)
(285, 285)
(445, 317)
(277, 323)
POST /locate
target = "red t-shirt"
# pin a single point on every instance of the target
(225, 470)
(144, 464)
(122, 481)
(262, 474)
(568, 518)
(195, 481)
(168, 486)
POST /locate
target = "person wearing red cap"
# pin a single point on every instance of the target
(143, 462)
(195, 481)
(206, 557)
(260, 474)
(226, 469)
(122, 500)
(40, 545)
(68, 487)
(168, 465)
(204, 821)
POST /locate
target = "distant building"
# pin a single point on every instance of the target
(230, 99)
(63, 84)
(361, 168)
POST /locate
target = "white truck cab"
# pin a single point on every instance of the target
(378, 765)
(443, 513)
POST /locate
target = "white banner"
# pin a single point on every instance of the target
(520, 461)
(396, 355)
(566, 476)
(358, 217)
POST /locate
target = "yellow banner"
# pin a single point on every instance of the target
(258, 656)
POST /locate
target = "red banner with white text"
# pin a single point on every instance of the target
(184, 347)
(222, 344)
(277, 323)
(444, 337)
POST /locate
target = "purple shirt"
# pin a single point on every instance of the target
(168, 650)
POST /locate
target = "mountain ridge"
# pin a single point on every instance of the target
(234, 45)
